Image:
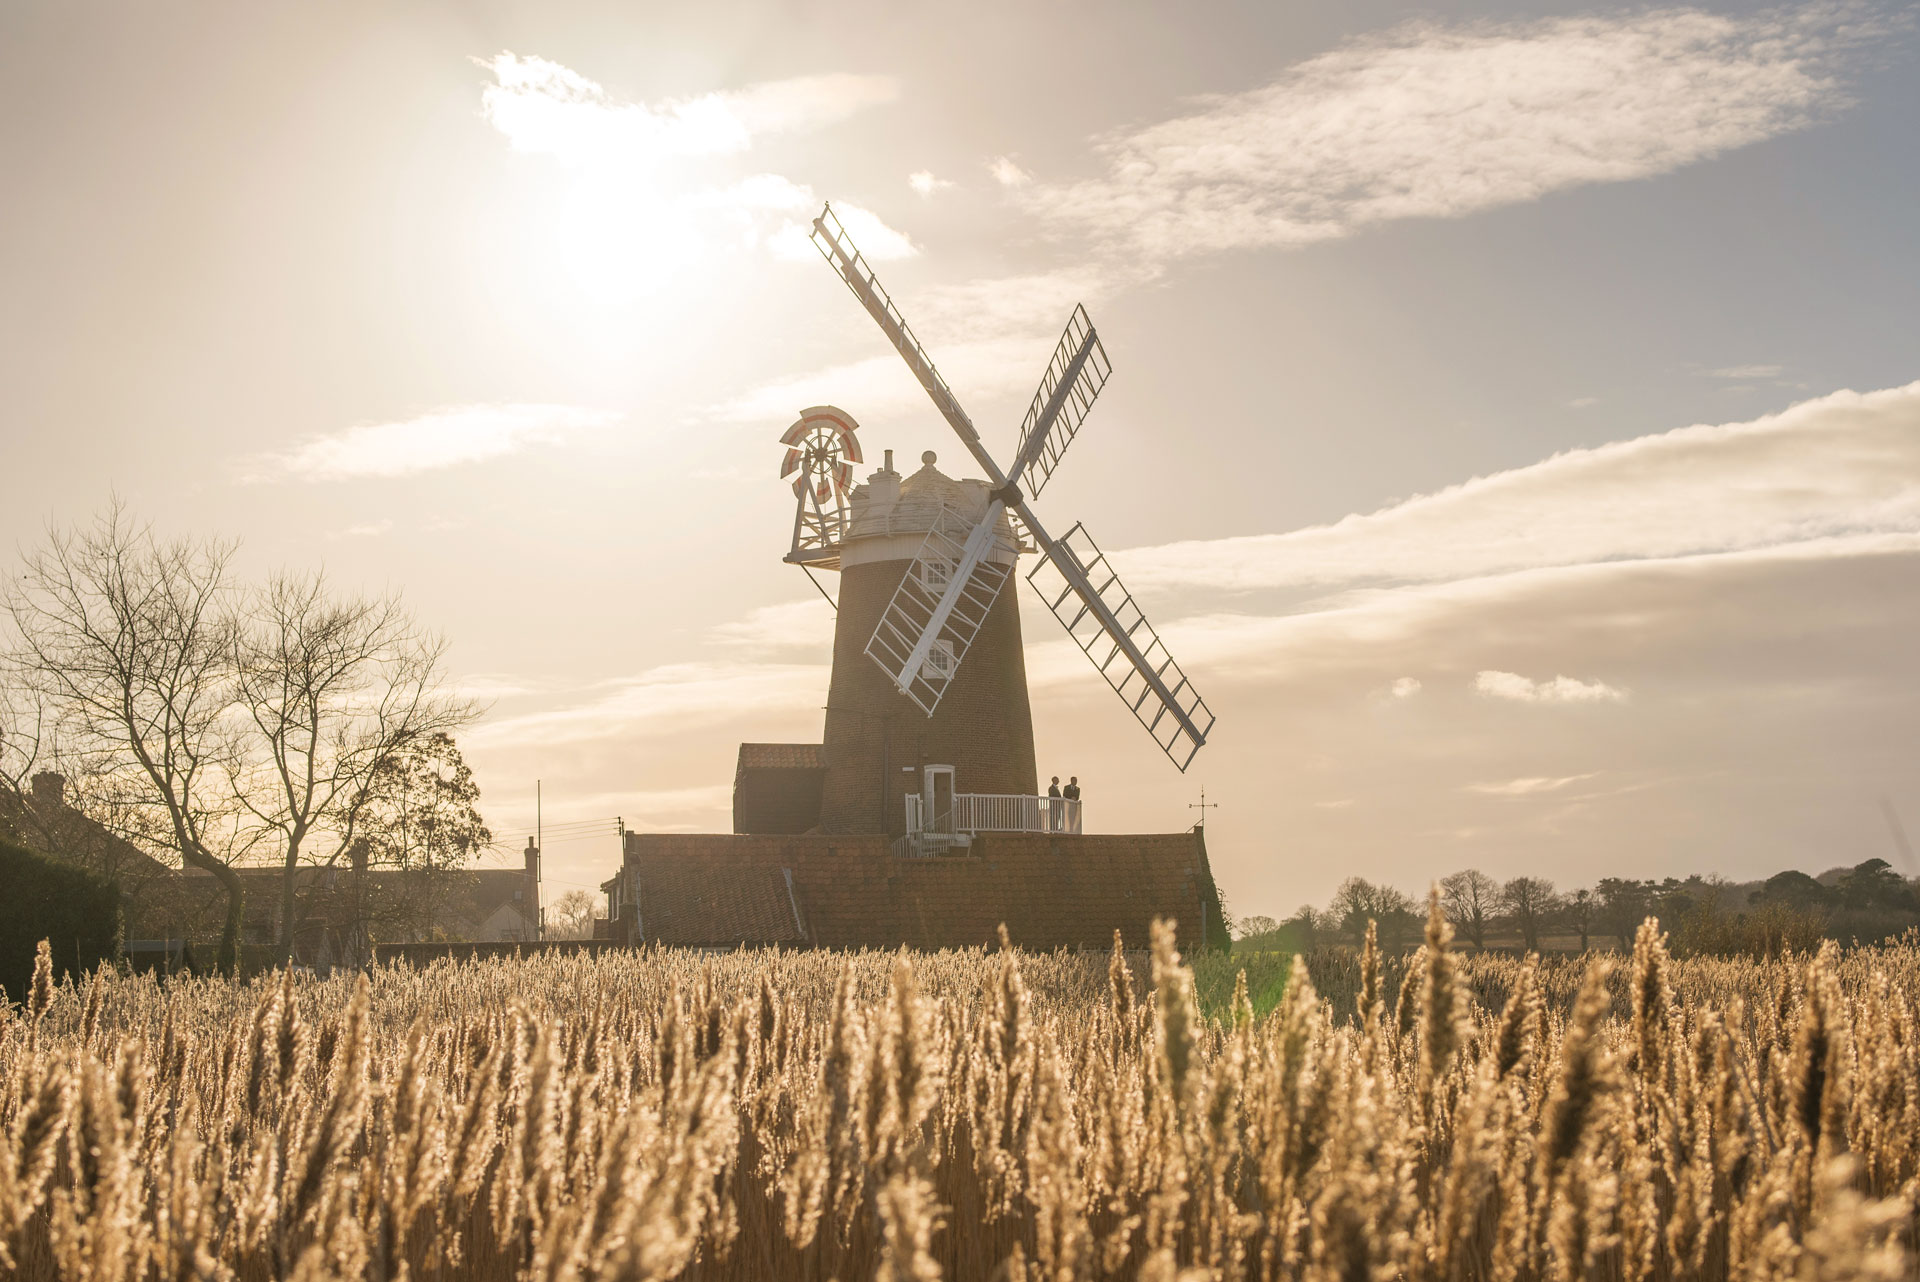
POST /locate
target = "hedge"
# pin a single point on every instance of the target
(77, 912)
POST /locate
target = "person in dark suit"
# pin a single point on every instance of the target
(1072, 793)
(1054, 808)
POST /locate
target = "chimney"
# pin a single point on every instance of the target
(532, 853)
(49, 790)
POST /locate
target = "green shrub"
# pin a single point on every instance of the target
(77, 912)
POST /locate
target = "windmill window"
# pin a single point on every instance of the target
(940, 662)
(935, 573)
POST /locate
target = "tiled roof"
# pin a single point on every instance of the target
(683, 901)
(780, 756)
(852, 891)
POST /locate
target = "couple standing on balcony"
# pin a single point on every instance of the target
(1060, 816)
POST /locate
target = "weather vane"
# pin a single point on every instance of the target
(1203, 805)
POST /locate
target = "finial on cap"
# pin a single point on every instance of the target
(928, 458)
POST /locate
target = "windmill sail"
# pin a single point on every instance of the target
(939, 607)
(831, 239)
(952, 584)
(1086, 595)
(1074, 377)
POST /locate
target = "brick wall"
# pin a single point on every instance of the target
(851, 891)
(776, 799)
(877, 739)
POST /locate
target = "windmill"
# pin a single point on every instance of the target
(821, 452)
(941, 603)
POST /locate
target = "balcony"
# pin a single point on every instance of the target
(976, 812)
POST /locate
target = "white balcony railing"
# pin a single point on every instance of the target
(995, 812)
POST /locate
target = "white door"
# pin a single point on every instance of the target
(937, 793)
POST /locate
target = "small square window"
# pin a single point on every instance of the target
(935, 573)
(940, 662)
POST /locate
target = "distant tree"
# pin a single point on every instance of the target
(1248, 927)
(571, 916)
(1579, 908)
(128, 638)
(1530, 903)
(332, 689)
(1624, 904)
(421, 815)
(1359, 901)
(1310, 925)
(1875, 885)
(1470, 899)
(1794, 889)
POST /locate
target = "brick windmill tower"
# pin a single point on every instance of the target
(897, 543)
(916, 819)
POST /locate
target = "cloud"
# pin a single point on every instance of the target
(877, 241)
(1746, 371)
(805, 624)
(1008, 174)
(1842, 465)
(660, 700)
(1511, 685)
(990, 337)
(1431, 121)
(443, 438)
(1525, 787)
(615, 152)
(1405, 687)
(926, 184)
(545, 108)
(1583, 402)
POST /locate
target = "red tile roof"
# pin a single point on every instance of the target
(780, 756)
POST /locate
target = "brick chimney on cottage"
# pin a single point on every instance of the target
(49, 790)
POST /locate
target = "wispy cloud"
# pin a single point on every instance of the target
(1842, 465)
(443, 438)
(989, 336)
(1525, 787)
(1511, 685)
(1405, 687)
(1007, 173)
(1746, 371)
(1430, 121)
(924, 182)
(791, 624)
(546, 108)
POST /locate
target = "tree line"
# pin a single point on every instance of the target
(1706, 914)
(221, 721)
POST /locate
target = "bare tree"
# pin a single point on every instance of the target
(1580, 908)
(1248, 927)
(571, 916)
(332, 689)
(1470, 899)
(1359, 901)
(130, 640)
(1531, 903)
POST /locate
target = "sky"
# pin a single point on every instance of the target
(1514, 428)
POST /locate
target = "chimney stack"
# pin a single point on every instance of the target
(49, 790)
(532, 854)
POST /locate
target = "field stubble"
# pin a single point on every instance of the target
(971, 1115)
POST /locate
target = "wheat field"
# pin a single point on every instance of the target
(969, 1115)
